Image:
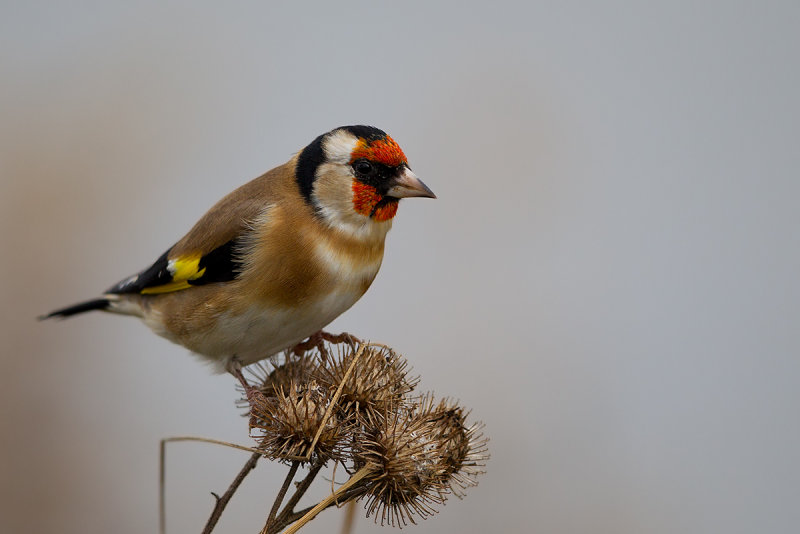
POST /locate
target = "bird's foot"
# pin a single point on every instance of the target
(344, 337)
(317, 340)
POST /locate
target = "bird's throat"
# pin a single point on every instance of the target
(367, 201)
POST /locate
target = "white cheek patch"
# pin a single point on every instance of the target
(339, 146)
(333, 187)
(333, 197)
(333, 191)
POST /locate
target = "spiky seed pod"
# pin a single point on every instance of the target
(407, 472)
(270, 377)
(464, 447)
(296, 369)
(379, 381)
(287, 423)
(420, 453)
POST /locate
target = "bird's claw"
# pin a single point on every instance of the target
(317, 340)
(254, 395)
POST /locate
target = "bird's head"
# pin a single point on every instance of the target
(354, 177)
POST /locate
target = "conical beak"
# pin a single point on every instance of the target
(408, 185)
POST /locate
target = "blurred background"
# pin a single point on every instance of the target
(609, 278)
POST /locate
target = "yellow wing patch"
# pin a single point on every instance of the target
(182, 270)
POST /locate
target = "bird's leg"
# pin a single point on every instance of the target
(254, 395)
(304, 346)
(315, 340)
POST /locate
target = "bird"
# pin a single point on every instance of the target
(276, 260)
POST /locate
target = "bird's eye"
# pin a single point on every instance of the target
(363, 167)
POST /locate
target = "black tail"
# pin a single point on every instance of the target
(89, 305)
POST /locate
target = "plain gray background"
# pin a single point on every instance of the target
(609, 278)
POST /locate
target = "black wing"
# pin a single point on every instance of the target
(174, 274)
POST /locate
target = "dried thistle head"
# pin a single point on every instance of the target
(295, 369)
(403, 481)
(378, 381)
(464, 448)
(287, 423)
(419, 453)
(408, 453)
(270, 376)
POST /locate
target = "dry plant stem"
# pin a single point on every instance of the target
(279, 499)
(343, 497)
(211, 441)
(329, 500)
(222, 501)
(162, 463)
(287, 519)
(349, 518)
(288, 515)
(162, 511)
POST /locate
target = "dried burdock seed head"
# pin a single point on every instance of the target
(464, 447)
(419, 454)
(353, 405)
(287, 423)
(296, 369)
(407, 471)
(379, 380)
(269, 377)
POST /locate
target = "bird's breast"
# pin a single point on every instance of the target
(352, 269)
(324, 288)
(292, 261)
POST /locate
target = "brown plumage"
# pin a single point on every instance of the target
(280, 257)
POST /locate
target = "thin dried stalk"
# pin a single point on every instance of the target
(329, 500)
(277, 504)
(162, 475)
(222, 501)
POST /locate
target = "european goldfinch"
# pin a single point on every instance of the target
(277, 259)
